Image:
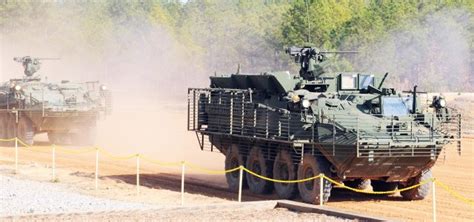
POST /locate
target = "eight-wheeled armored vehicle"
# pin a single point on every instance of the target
(346, 125)
(66, 111)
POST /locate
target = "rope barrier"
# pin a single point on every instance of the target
(198, 168)
(112, 156)
(454, 193)
(74, 151)
(376, 192)
(160, 162)
(22, 143)
(280, 181)
(209, 171)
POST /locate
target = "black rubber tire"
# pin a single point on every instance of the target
(284, 168)
(381, 186)
(257, 163)
(4, 127)
(56, 138)
(310, 190)
(418, 193)
(25, 131)
(360, 184)
(234, 159)
(11, 128)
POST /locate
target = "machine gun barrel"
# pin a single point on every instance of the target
(339, 52)
(22, 59)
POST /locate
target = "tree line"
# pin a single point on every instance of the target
(405, 38)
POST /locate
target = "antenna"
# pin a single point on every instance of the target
(308, 38)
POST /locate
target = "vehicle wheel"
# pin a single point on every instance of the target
(360, 184)
(3, 128)
(380, 186)
(257, 163)
(285, 169)
(418, 193)
(313, 166)
(56, 138)
(232, 160)
(25, 131)
(11, 128)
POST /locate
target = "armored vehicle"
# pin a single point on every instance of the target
(66, 111)
(346, 125)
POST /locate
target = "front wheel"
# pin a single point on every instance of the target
(25, 131)
(234, 159)
(310, 190)
(420, 192)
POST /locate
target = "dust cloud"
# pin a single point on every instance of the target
(147, 70)
(432, 52)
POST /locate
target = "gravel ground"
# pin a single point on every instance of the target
(23, 197)
(185, 215)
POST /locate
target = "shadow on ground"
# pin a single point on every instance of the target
(197, 186)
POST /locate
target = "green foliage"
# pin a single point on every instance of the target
(225, 33)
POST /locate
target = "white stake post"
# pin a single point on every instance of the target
(16, 155)
(138, 174)
(434, 199)
(241, 175)
(96, 168)
(182, 182)
(54, 164)
(321, 181)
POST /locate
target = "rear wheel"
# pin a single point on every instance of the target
(234, 159)
(310, 190)
(11, 128)
(418, 193)
(285, 169)
(360, 184)
(381, 186)
(25, 131)
(57, 138)
(257, 163)
(4, 128)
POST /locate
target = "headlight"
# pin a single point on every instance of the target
(442, 103)
(103, 87)
(306, 103)
(17, 87)
(295, 98)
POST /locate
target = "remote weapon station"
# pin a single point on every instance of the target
(66, 111)
(344, 125)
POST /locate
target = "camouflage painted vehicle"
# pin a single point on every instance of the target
(345, 125)
(66, 111)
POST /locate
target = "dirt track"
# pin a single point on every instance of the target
(176, 144)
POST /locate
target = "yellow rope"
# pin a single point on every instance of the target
(454, 193)
(160, 162)
(75, 151)
(112, 156)
(22, 143)
(198, 168)
(376, 192)
(280, 181)
(37, 150)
